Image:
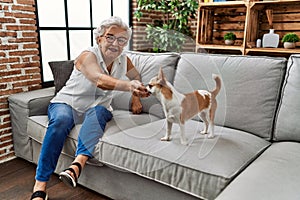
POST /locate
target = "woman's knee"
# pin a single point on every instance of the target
(64, 119)
(61, 115)
(60, 126)
(103, 113)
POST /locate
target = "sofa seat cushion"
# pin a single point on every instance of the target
(250, 90)
(121, 120)
(274, 175)
(202, 168)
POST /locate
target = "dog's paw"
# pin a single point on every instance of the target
(165, 139)
(210, 136)
(184, 142)
(203, 132)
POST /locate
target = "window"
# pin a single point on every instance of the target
(65, 27)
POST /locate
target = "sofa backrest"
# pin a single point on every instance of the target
(250, 87)
(287, 123)
(148, 65)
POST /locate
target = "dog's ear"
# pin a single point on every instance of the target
(161, 77)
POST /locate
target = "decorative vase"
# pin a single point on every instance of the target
(258, 43)
(229, 42)
(289, 45)
(270, 39)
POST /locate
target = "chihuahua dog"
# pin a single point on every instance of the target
(178, 108)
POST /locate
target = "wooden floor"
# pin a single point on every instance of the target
(17, 179)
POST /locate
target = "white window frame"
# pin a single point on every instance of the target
(116, 7)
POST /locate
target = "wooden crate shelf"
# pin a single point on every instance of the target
(248, 20)
(222, 4)
(228, 47)
(273, 50)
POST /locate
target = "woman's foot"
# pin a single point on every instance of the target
(39, 195)
(39, 191)
(70, 176)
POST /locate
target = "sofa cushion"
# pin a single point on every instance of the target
(250, 87)
(148, 65)
(274, 175)
(122, 120)
(61, 71)
(203, 168)
(287, 124)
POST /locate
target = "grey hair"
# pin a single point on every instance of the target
(104, 25)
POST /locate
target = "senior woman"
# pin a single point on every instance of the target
(86, 99)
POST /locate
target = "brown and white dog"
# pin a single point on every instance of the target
(179, 108)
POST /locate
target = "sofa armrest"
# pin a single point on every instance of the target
(36, 101)
(22, 106)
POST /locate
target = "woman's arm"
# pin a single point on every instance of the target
(133, 74)
(87, 64)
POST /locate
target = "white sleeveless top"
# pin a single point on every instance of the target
(81, 94)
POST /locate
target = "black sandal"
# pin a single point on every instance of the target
(67, 178)
(39, 194)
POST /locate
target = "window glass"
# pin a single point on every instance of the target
(54, 48)
(79, 13)
(51, 13)
(54, 29)
(101, 11)
(79, 41)
(121, 9)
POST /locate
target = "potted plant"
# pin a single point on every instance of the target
(289, 40)
(171, 31)
(229, 38)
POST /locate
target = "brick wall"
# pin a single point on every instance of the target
(19, 61)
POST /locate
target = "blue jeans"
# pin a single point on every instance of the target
(62, 118)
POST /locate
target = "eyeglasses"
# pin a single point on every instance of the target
(111, 38)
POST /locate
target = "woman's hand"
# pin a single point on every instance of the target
(136, 105)
(138, 89)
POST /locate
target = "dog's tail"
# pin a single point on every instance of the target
(218, 85)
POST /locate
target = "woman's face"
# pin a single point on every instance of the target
(112, 42)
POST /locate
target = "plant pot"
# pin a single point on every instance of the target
(229, 42)
(289, 45)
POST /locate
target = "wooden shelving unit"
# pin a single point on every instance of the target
(248, 20)
(273, 50)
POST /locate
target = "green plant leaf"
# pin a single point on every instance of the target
(230, 36)
(290, 37)
(176, 15)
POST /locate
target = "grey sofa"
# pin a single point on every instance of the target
(255, 154)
